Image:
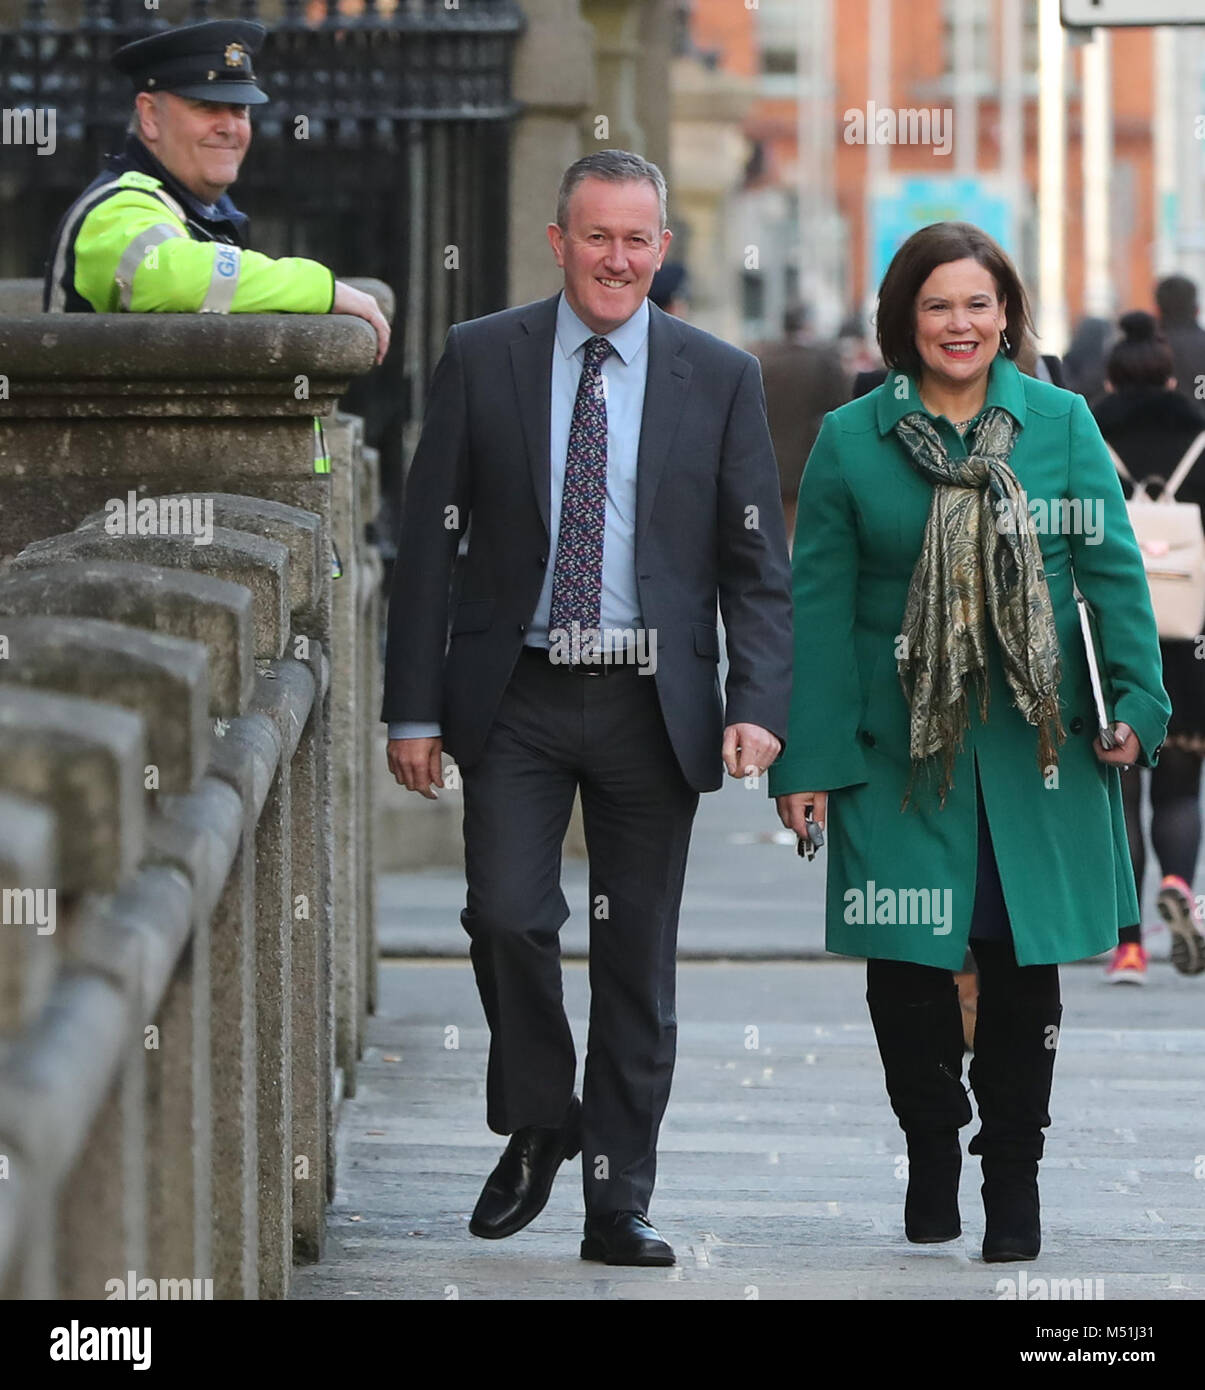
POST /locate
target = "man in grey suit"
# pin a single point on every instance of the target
(613, 469)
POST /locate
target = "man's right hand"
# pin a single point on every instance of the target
(791, 810)
(415, 764)
(363, 306)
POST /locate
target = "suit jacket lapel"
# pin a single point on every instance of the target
(666, 383)
(531, 367)
(665, 391)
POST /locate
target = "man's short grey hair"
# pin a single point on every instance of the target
(616, 166)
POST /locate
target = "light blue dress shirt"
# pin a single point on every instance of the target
(624, 374)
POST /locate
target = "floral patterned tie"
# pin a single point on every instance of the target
(577, 577)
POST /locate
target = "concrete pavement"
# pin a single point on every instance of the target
(780, 1169)
(780, 1173)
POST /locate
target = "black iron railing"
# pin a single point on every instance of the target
(385, 144)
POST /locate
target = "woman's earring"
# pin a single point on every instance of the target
(1008, 347)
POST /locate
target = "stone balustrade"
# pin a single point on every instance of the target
(189, 662)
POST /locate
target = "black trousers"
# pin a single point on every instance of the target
(556, 732)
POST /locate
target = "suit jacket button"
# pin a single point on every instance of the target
(522, 627)
(1077, 724)
(868, 738)
(542, 561)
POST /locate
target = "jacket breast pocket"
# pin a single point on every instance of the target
(707, 640)
(473, 615)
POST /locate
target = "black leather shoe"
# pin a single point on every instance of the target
(625, 1238)
(517, 1191)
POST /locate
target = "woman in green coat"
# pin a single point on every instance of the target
(943, 722)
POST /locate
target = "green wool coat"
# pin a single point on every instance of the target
(901, 884)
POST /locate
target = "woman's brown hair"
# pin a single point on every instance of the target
(911, 266)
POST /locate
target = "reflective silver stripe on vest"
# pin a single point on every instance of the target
(58, 294)
(227, 262)
(132, 257)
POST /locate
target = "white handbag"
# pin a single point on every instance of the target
(1172, 542)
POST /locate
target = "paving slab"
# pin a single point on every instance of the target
(781, 1172)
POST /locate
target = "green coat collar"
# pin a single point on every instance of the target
(1004, 388)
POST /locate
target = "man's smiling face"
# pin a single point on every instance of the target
(202, 143)
(610, 249)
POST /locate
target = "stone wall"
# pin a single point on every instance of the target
(186, 921)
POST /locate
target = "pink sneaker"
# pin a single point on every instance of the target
(1128, 965)
(1179, 910)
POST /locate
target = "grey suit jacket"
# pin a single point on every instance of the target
(709, 526)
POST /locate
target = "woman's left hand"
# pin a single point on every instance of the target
(1124, 752)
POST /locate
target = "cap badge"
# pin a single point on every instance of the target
(235, 55)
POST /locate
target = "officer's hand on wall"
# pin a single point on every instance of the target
(363, 306)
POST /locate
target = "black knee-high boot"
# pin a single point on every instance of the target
(919, 1032)
(1011, 1074)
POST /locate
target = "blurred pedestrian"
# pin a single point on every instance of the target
(670, 291)
(1150, 426)
(1042, 366)
(1084, 360)
(858, 352)
(1176, 296)
(916, 597)
(803, 381)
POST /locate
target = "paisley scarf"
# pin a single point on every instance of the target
(979, 558)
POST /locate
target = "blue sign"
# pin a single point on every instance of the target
(913, 203)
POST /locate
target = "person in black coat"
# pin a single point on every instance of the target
(1176, 297)
(1150, 426)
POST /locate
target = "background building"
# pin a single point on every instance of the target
(822, 205)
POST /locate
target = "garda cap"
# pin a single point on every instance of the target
(210, 61)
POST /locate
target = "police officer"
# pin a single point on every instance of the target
(157, 231)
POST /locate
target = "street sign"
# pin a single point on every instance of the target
(1108, 13)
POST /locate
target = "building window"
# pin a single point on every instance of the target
(985, 29)
(778, 61)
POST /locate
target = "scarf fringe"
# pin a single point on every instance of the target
(1048, 721)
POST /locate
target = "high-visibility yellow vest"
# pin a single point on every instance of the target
(134, 253)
